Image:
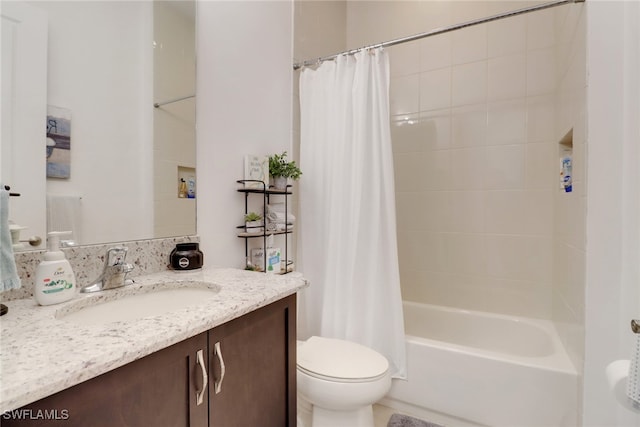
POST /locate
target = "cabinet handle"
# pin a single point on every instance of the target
(218, 383)
(205, 378)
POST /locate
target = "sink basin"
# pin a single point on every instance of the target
(135, 303)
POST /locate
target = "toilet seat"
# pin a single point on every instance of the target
(340, 361)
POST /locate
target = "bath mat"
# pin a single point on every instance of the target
(398, 420)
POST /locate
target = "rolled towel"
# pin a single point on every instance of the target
(277, 217)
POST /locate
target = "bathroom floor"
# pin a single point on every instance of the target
(381, 415)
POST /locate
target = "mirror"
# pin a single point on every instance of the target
(117, 96)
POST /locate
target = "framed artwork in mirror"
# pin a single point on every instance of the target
(58, 142)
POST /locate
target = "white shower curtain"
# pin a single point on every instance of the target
(347, 241)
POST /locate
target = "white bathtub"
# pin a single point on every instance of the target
(485, 369)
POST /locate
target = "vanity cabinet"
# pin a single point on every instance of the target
(251, 367)
(156, 390)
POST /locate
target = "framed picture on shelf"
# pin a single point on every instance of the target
(256, 168)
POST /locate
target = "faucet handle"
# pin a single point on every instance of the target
(115, 256)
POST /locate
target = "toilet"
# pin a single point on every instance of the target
(338, 382)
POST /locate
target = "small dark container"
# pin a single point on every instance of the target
(186, 256)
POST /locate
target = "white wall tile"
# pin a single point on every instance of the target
(469, 126)
(541, 120)
(434, 252)
(436, 129)
(467, 253)
(469, 44)
(519, 257)
(404, 59)
(436, 211)
(469, 84)
(404, 94)
(467, 211)
(503, 211)
(507, 36)
(407, 133)
(506, 77)
(467, 167)
(506, 122)
(411, 251)
(541, 170)
(524, 212)
(435, 89)
(540, 29)
(504, 167)
(541, 72)
(435, 52)
(405, 166)
(435, 171)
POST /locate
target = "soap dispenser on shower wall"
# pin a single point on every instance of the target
(55, 281)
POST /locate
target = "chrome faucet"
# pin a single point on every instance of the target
(113, 273)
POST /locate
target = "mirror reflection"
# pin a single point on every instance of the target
(113, 106)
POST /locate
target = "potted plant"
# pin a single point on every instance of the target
(253, 222)
(281, 170)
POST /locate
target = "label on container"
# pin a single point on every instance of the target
(52, 286)
(183, 262)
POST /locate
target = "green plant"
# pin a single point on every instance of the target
(278, 166)
(252, 216)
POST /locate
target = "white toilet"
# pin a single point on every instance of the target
(338, 382)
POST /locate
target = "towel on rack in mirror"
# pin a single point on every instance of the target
(633, 380)
(64, 213)
(8, 273)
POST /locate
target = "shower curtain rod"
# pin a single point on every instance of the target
(171, 101)
(437, 31)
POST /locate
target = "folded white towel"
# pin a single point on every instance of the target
(276, 213)
(8, 273)
(281, 218)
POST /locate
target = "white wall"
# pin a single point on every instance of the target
(613, 213)
(244, 70)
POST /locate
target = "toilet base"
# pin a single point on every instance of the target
(315, 416)
(361, 417)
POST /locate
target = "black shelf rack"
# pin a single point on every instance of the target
(261, 188)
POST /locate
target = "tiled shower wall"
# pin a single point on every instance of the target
(474, 150)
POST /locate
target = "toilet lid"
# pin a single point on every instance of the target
(340, 359)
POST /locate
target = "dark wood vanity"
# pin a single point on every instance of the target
(251, 381)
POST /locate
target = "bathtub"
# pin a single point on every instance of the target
(473, 368)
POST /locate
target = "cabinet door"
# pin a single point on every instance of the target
(157, 390)
(253, 366)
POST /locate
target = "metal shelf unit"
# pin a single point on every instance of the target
(267, 192)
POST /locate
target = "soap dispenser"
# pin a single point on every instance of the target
(54, 281)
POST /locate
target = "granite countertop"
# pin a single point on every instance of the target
(41, 354)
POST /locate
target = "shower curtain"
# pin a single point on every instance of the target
(347, 242)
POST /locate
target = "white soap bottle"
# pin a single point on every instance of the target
(55, 281)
